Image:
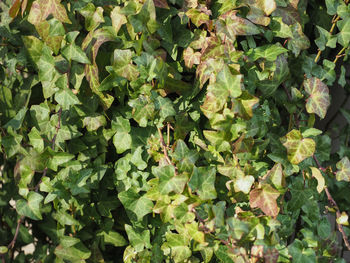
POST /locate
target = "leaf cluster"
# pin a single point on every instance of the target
(172, 130)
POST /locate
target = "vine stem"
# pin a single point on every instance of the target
(21, 219)
(334, 22)
(334, 204)
(340, 54)
(165, 150)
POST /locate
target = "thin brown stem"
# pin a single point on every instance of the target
(20, 221)
(334, 204)
(165, 150)
(168, 134)
(338, 214)
(14, 239)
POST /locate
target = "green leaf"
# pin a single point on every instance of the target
(138, 239)
(66, 98)
(343, 173)
(75, 253)
(122, 139)
(298, 148)
(228, 83)
(344, 34)
(311, 132)
(168, 180)
(301, 254)
(176, 246)
(113, 238)
(268, 52)
(74, 52)
(68, 241)
(65, 219)
(92, 123)
(36, 140)
(184, 157)
(318, 101)
(93, 16)
(265, 199)
(16, 122)
(31, 207)
(203, 182)
(137, 206)
(276, 176)
(34, 47)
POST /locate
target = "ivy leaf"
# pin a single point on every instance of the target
(113, 238)
(276, 176)
(268, 52)
(168, 181)
(319, 100)
(137, 206)
(226, 85)
(320, 180)
(203, 182)
(265, 199)
(176, 246)
(243, 183)
(16, 122)
(74, 52)
(31, 207)
(34, 47)
(344, 34)
(66, 98)
(118, 19)
(343, 173)
(122, 64)
(75, 253)
(343, 219)
(92, 123)
(184, 158)
(191, 58)
(122, 139)
(298, 148)
(235, 25)
(93, 16)
(138, 239)
(41, 9)
(36, 140)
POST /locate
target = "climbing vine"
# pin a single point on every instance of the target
(173, 131)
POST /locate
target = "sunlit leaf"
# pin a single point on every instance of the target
(319, 100)
(343, 167)
(265, 199)
(319, 177)
(298, 148)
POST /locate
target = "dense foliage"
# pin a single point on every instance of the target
(172, 131)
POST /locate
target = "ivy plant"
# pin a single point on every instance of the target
(172, 131)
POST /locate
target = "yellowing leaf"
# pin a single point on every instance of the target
(276, 176)
(191, 57)
(319, 100)
(343, 219)
(343, 173)
(298, 148)
(41, 9)
(243, 184)
(265, 199)
(320, 180)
